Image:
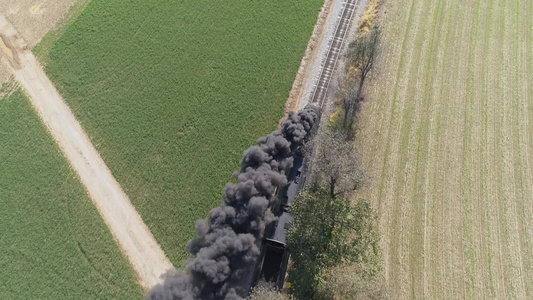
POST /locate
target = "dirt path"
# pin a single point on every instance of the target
(127, 227)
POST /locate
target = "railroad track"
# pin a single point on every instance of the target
(335, 47)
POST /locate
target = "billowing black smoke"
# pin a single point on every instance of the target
(226, 242)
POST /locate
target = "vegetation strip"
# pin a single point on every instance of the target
(332, 240)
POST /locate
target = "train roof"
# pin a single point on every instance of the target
(280, 233)
(296, 179)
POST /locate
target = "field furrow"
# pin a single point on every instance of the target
(420, 143)
(420, 240)
(439, 165)
(524, 122)
(471, 183)
(445, 135)
(395, 165)
(390, 111)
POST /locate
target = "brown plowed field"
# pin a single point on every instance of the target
(447, 137)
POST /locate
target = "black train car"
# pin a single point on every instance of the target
(271, 264)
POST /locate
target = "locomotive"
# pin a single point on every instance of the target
(271, 265)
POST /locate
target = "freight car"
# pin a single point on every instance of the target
(271, 264)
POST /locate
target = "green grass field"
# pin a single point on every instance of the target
(53, 242)
(172, 93)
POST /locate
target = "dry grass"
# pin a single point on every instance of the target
(346, 282)
(447, 137)
(266, 291)
(370, 17)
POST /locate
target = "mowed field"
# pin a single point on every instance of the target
(448, 139)
(171, 94)
(53, 242)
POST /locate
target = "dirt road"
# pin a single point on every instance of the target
(127, 227)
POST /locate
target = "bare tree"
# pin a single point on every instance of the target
(361, 54)
(335, 163)
(347, 92)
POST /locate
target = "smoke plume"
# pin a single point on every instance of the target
(226, 242)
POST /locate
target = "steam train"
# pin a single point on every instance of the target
(271, 265)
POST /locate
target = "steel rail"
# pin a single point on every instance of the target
(335, 47)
